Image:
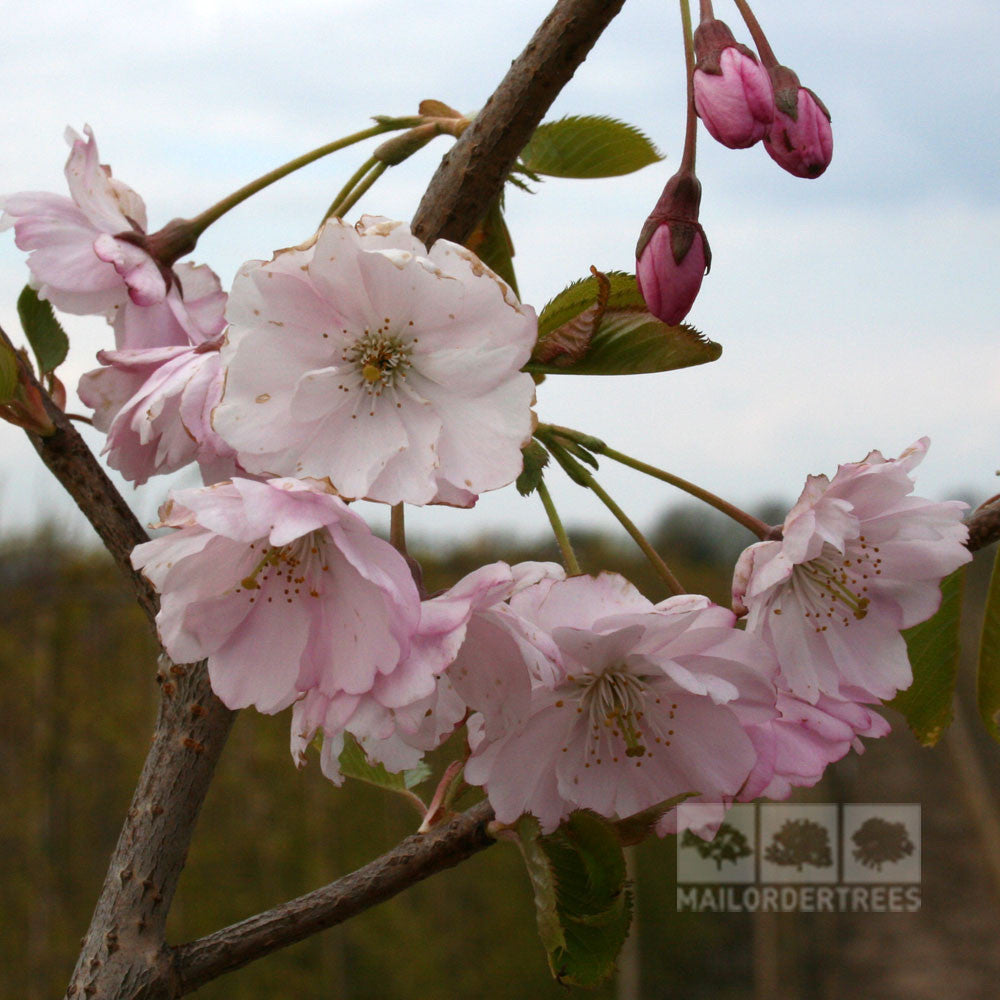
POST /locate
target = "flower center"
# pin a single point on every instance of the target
(380, 358)
(614, 701)
(835, 587)
(294, 567)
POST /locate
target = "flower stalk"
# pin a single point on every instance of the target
(760, 528)
(583, 477)
(562, 539)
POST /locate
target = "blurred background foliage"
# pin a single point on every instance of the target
(78, 662)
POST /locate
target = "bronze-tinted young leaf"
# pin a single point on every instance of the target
(354, 764)
(490, 241)
(933, 652)
(588, 146)
(437, 109)
(569, 343)
(988, 678)
(47, 338)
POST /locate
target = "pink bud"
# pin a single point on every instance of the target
(673, 255)
(800, 139)
(732, 91)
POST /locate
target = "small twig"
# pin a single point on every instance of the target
(984, 527)
(415, 859)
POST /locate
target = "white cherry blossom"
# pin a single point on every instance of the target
(389, 370)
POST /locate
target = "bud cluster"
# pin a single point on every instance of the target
(741, 100)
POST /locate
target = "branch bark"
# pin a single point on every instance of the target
(984, 527)
(415, 859)
(475, 168)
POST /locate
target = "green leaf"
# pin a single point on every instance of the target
(491, 243)
(543, 882)
(622, 293)
(8, 373)
(583, 904)
(535, 460)
(47, 338)
(588, 146)
(933, 650)
(988, 678)
(570, 342)
(628, 341)
(354, 764)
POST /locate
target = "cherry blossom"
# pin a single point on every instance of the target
(469, 652)
(155, 406)
(860, 559)
(795, 748)
(647, 702)
(88, 256)
(283, 588)
(390, 370)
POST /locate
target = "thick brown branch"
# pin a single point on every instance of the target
(70, 460)
(124, 954)
(415, 859)
(474, 170)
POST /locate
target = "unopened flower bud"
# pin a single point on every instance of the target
(732, 91)
(672, 254)
(800, 138)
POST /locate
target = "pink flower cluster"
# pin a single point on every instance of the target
(860, 559)
(362, 364)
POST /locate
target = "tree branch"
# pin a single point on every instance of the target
(984, 527)
(124, 954)
(415, 859)
(69, 459)
(475, 168)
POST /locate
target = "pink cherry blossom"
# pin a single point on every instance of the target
(390, 370)
(646, 702)
(155, 406)
(800, 139)
(60, 234)
(284, 589)
(469, 652)
(732, 91)
(85, 256)
(795, 748)
(860, 559)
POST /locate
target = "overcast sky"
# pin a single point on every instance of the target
(858, 310)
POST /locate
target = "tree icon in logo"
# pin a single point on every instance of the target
(800, 842)
(879, 841)
(729, 845)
